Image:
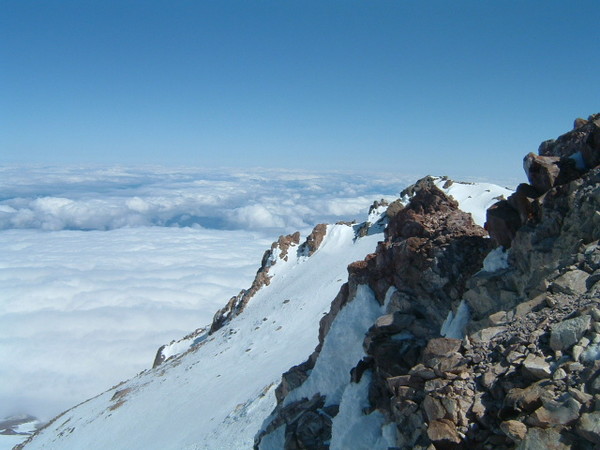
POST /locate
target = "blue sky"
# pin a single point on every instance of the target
(456, 88)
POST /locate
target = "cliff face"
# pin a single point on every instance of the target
(464, 352)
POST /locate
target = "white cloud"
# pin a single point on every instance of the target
(105, 199)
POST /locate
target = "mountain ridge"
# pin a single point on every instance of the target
(435, 340)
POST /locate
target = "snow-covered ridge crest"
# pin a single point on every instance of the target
(285, 250)
(473, 198)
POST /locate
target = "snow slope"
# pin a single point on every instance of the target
(218, 393)
(474, 198)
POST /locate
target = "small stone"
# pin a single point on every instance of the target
(515, 357)
(498, 318)
(436, 384)
(433, 408)
(583, 342)
(577, 351)
(443, 432)
(536, 367)
(488, 379)
(487, 334)
(565, 334)
(514, 429)
(580, 396)
(572, 367)
(422, 372)
(560, 374)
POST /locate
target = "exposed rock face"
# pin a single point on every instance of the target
(314, 239)
(560, 162)
(431, 248)
(527, 374)
(279, 249)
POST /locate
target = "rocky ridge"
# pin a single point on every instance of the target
(520, 369)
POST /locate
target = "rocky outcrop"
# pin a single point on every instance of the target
(314, 240)
(560, 162)
(279, 250)
(431, 248)
(526, 372)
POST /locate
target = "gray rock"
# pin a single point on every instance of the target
(537, 439)
(487, 333)
(555, 413)
(572, 282)
(536, 367)
(567, 333)
(589, 427)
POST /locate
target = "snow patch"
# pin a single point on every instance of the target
(342, 349)
(473, 198)
(579, 162)
(351, 428)
(454, 325)
(496, 260)
(592, 353)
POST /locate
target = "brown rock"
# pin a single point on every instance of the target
(514, 429)
(502, 223)
(591, 152)
(527, 399)
(522, 204)
(443, 432)
(315, 238)
(442, 347)
(433, 408)
(542, 171)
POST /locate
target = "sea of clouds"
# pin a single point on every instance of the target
(100, 266)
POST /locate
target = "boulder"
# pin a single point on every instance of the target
(514, 429)
(588, 427)
(591, 152)
(536, 367)
(502, 223)
(567, 333)
(547, 439)
(443, 432)
(572, 282)
(554, 413)
(541, 171)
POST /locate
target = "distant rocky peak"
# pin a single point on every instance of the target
(429, 213)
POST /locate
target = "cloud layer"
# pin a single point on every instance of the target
(99, 267)
(111, 198)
